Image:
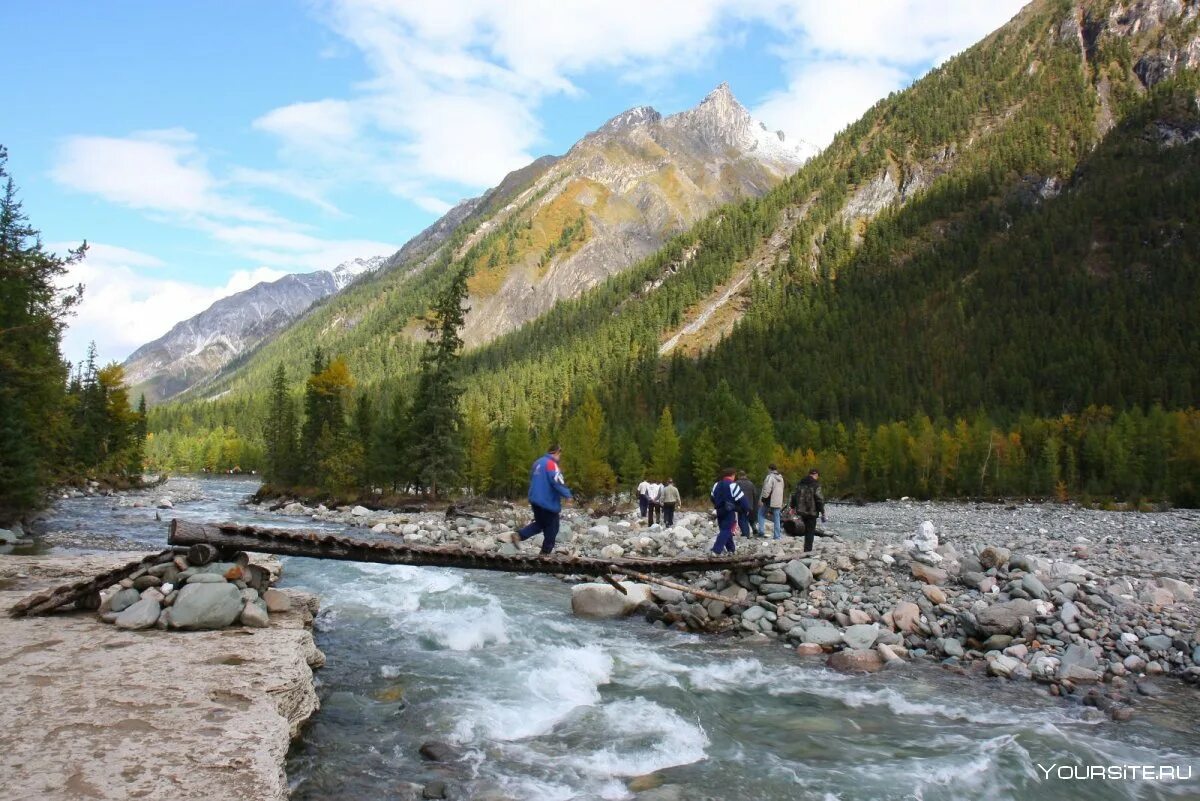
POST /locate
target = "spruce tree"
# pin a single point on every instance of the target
(585, 450)
(481, 452)
(664, 455)
(435, 420)
(279, 432)
(704, 462)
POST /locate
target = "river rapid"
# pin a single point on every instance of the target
(545, 706)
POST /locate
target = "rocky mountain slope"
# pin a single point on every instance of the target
(994, 237)
(196, 349)
(549, 231)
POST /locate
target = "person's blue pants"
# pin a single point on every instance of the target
(725, 535)
(762, 520)
(544, 522)
(642, 503)
(743, 521)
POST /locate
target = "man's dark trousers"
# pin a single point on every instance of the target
(668, 516)
(545, 522)
(810, 528)
(725, 536)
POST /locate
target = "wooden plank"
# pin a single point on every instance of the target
(231, 537)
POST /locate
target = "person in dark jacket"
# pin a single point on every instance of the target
(807, 503)
(729, 500)
(745, 523)
(547, 488)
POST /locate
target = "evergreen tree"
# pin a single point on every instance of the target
(759, 439)
(137, 454)
(481, 452)
(628, 458)
(33, 310)
(279, 432)
(436, 418)
(704, 462)
(520, 452)
(664, 454)
(585, 450)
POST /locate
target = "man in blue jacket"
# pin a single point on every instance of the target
(728, 499)
(546, 491)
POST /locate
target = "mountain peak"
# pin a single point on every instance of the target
(722, 94)
(638, 115)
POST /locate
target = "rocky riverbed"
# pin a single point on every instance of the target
(1058, 599)
(96, 711)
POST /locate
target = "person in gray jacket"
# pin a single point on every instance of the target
(669, 498)
(771, 498)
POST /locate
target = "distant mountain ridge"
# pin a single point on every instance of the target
(196, 349)
(547, 232)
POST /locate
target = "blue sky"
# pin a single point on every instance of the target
(203, 146)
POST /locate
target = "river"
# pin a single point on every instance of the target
(545, 706)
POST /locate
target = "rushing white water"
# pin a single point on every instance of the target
(548, 707)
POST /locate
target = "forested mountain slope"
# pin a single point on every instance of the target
(548, 232)
(1010, 240)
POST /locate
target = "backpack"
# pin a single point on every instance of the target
(806, 499)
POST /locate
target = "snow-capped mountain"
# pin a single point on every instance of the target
(197, 348)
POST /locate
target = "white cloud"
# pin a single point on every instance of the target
(293, 250)
(823, 98)
(151, 170)
(124, 308)
(455, 87)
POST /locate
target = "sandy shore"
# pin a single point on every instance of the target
(92, 711)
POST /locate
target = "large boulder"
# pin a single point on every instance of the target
(822, 634)
(861, 636)
(603, 601)
(798, 574)
(994, 556)
(141, 615)
(906, 616)
(206, 606)
(927, 574)
(1005, 618)
(855, 661)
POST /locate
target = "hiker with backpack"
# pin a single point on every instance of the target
(771, 498)
(729, 500)
(745, 523)
(807, 503)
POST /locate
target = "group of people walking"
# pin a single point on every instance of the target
(658, 501)
(731, 498)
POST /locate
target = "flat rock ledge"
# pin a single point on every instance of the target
(95, 711)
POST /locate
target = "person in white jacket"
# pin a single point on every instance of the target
(653, 503)
(642, 489)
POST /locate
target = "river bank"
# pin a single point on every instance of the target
(93, 711)
(539, 704)
(1063, 600)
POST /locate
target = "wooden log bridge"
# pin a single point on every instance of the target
(229, 538)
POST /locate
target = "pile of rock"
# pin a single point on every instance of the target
(193, 591)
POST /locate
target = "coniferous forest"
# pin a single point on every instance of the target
(56, 425)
